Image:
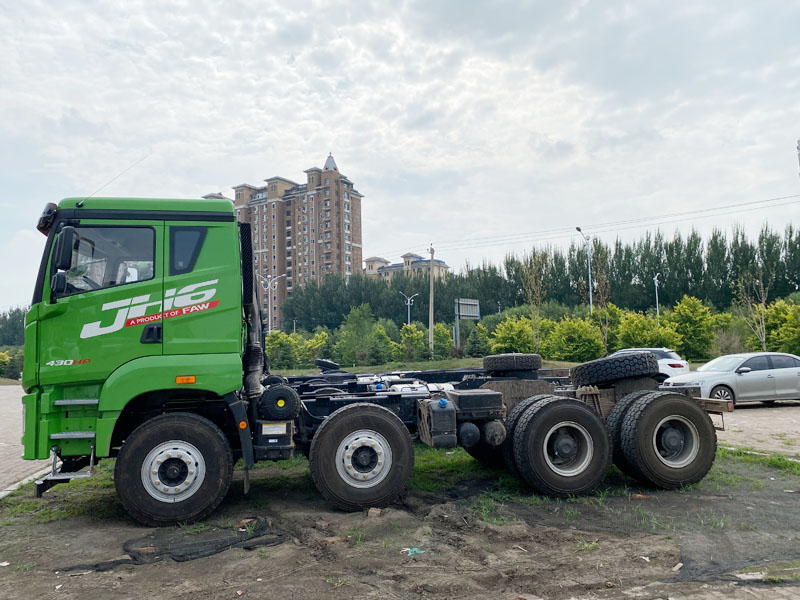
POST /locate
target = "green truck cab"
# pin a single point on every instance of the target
(137, 312)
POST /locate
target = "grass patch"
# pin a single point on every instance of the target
(337, 582)
(489, 506)
(586, 546)
(438, 469)
(773, 461)
(356, 536)
(194, 528)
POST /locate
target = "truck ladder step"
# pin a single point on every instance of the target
(73, 435)
(57, 475)
(77, 402)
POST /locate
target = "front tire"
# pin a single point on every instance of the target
(174, 467)
(723, 392)
(361, 456)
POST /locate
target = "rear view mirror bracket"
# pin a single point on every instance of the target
(62, 254)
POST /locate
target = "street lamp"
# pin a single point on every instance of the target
(270, 282)
(589, 263)
(409, 302)
(655, 281)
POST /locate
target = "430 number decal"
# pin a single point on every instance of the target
(69, 362)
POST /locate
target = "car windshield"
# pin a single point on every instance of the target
(723, 363)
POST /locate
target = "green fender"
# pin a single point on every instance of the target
(217, 373)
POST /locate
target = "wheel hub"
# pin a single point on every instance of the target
(568, 449)
(173, 471)
(363, 458)
(676, 441)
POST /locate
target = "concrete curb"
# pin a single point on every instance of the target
(15, 486)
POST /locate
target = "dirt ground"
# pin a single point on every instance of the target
(462, 531)
(774, 428)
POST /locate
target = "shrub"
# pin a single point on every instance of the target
(789, 332)
(412, 342)
(636, 331)
(442, 342)
(513, 335)
(693, 323)
(574, 340)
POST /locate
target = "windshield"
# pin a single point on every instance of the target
(723, 363)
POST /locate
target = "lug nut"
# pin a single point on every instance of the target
(191, 472)
(158, 462)
(166, 489)
(350, 467)
(380, 462)
(155, 472)
(180, 455)
(169, 454)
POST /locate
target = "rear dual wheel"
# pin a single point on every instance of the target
(561, 447)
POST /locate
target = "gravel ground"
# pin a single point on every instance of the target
(773, 428)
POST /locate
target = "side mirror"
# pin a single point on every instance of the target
(58, 283)
(62, 255)
(742, 370)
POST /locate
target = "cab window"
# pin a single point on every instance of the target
(104, 257)
(184, 248)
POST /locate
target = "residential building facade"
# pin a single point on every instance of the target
(301, 231)
(413, 264)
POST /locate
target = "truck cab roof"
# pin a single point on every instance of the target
(149, 204)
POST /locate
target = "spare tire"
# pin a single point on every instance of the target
(614, 368)
(512, 362)
(279, 402)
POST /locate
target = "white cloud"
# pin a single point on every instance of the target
(550, 114)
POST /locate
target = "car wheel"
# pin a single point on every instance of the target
(723, 392)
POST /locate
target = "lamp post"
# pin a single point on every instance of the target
(588, 241)
(409, 302)
(269, 284)
(658, 314)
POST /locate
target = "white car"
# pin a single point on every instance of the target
(669, 362)
(752, 377)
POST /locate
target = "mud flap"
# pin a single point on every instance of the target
(238, 408)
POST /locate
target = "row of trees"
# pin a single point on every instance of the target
(711, 270)
(690, 327)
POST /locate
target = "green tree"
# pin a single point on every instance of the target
(478, 342)
(5, 358)
(639, 331)
(412, 342)
(281, 351)
(442, 342)
(379, 347)
(353, 334)
(574, 340)
(694, 324)
(789, 332)
(513, 335)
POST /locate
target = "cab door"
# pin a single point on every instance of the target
(110, 310)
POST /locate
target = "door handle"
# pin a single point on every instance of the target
(152, 334)
(770, 376)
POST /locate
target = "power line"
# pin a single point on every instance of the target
(532, 235)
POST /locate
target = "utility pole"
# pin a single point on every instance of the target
(409, 302)
(658, 314)
(430, 308)
(588, 241)
(798, 151)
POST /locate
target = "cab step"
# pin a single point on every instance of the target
(77, 402)
(71, 468)
(73, 435)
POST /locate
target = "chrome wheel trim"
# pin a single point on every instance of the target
(173, 471)
(676, 425)
(363, 459)
(569, 467)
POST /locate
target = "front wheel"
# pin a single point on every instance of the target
(723, 392)
(174, 467)
(361, 456)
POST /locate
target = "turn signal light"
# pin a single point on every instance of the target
(676, 365)
(184, 379)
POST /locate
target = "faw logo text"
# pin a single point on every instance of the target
(133, 311)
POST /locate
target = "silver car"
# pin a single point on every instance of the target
(752, 377)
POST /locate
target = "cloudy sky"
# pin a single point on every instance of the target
(462, 123)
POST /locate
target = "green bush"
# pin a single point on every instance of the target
(412, 343)
(442, 341)
(513, 335)
(574, 340)
(378, 347)
(789, 332)
(639, 331)
(694, 324)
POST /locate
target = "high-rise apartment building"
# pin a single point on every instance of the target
(301, 231)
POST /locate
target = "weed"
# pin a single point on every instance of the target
(584, 545)
(250, 528)
(570, 512)
(356, 535)
(534, 500)
(25, 567)
(746, 527)
(263, 552)
(337, 581)
(7, 524)
(194, 528)
(21, 508)
(774, 461)
(711, 520)
(387, 544)
(489, 509)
